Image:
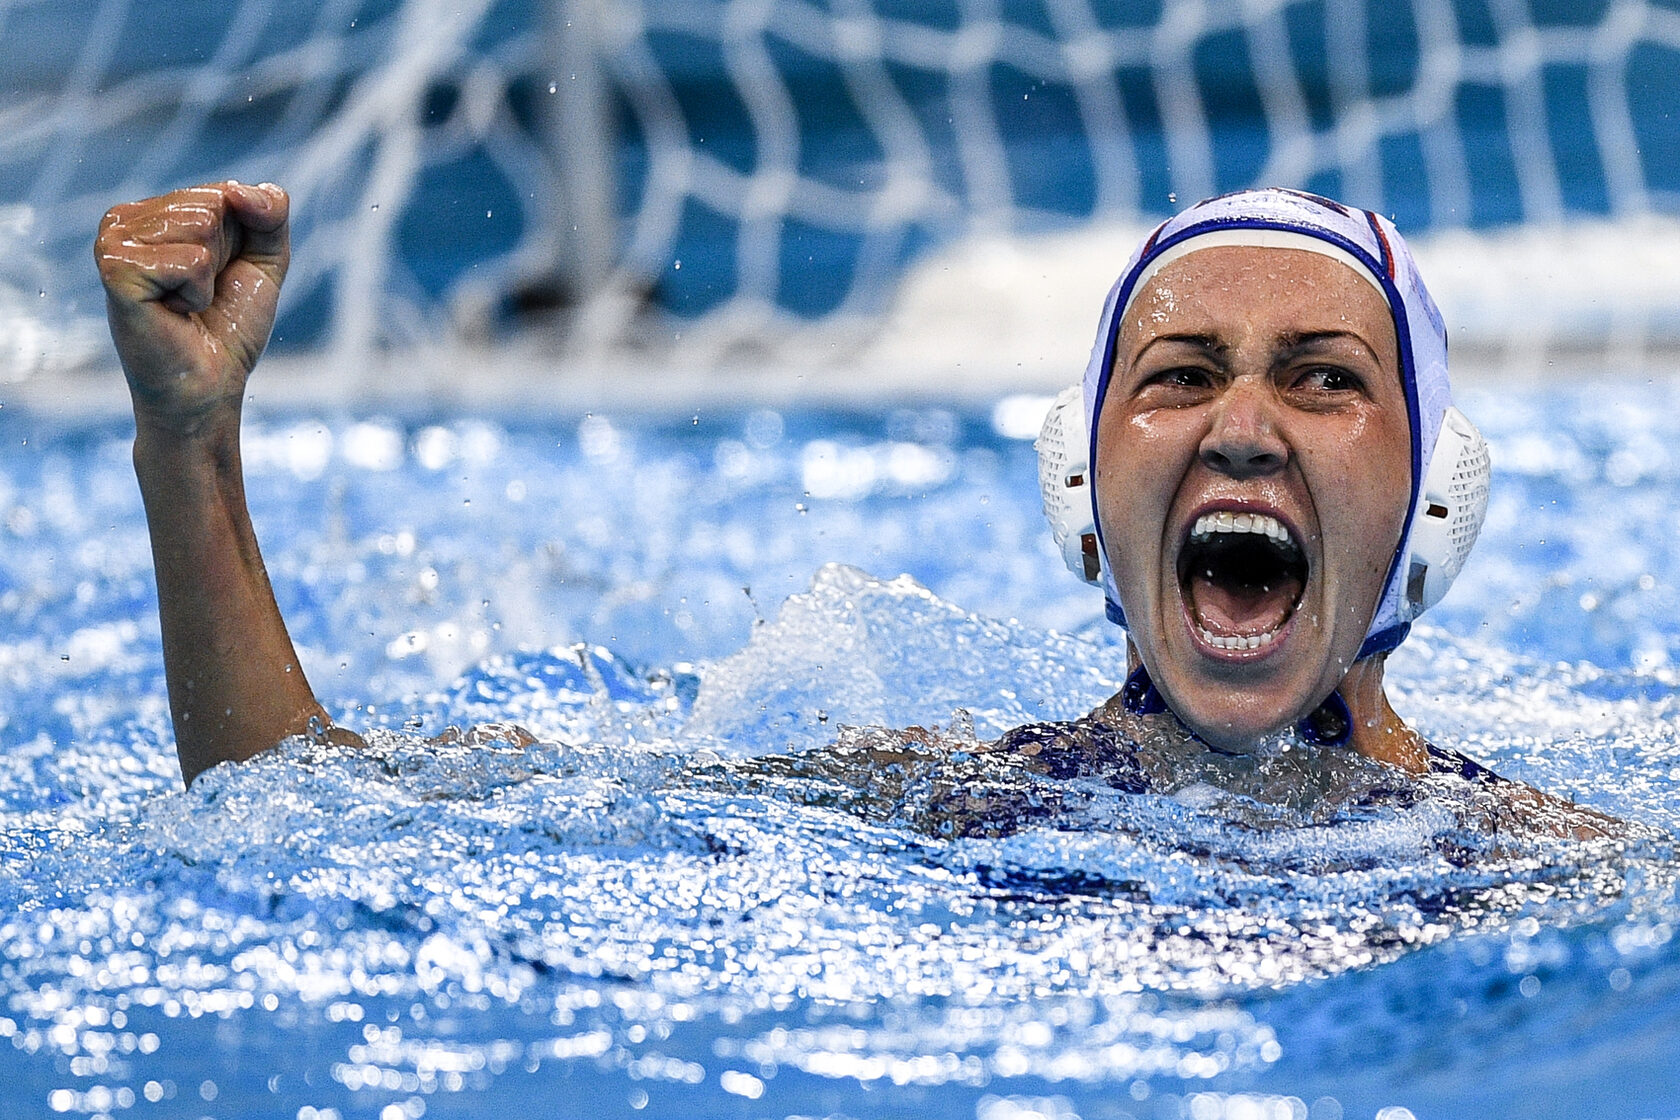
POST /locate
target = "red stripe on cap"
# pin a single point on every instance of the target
(1382, 240)
(1149, 242)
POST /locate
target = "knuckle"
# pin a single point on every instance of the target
(197, 219)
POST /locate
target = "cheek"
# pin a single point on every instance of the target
(1139, 468)
(1366, 481)
(1138, 450)
(1126, 450)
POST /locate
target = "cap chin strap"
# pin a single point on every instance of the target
(1328, 725)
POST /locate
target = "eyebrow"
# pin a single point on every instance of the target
(1293, 341)
(1307, 340)
(1208, 342)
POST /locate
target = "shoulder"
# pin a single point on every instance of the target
(1450, 763)
(1511, 807)
(1089, 747)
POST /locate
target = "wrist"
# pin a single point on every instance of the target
(168, 446)
(174, 420)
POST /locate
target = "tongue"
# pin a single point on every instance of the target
(1231, 609)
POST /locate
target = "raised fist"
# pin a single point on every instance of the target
(191, 281)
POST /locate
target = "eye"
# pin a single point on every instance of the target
(1181, 377)
(1329, 379)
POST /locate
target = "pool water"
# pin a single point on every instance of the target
(642, 914)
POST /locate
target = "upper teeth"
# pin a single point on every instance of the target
(1226, 522)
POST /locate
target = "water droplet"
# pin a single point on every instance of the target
(676, 264)
(1172, 197)
(553, 87)
(374, 207)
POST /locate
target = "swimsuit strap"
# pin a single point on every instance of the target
(1443, 761)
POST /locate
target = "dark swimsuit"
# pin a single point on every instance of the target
(1062, 751)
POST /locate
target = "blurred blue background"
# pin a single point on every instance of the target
(790, 157)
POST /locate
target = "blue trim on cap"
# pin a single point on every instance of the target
(1384, 641)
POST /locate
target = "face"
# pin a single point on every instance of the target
(1253, 471)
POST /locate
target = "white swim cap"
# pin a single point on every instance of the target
(1427, 557)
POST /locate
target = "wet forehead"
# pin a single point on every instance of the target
(1226, 291)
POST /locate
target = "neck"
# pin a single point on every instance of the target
(1378, 732)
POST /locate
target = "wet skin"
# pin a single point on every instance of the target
(1256, 381)
(191, 280)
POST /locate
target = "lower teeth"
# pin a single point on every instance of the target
(1252, 641)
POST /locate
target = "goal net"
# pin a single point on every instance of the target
(741, 169)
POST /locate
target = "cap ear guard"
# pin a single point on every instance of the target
(1450, 507)
(1064, 481)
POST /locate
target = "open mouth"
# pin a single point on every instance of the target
(1242, 575)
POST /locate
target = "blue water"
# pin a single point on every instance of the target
(632, 917)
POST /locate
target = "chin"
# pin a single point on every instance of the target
(1235, 731)
(1238, 717)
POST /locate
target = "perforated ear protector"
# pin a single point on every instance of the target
(1451, 504)
(1448, 515)
(1064, 482)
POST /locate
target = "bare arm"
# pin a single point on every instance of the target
(191, 280)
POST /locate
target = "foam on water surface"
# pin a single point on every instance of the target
(684, 898)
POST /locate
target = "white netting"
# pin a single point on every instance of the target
(762, 163)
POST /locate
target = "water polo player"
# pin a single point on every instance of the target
(1280, 481)
(1279, 486)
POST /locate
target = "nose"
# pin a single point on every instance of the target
(1243, 440)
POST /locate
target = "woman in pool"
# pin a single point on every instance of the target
(1280, 486)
